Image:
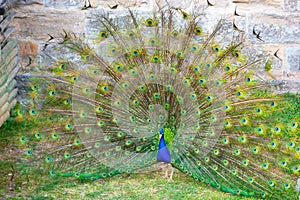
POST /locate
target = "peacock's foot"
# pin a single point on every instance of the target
(167, 174)
(171, 176)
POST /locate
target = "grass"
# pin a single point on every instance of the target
(16, 182)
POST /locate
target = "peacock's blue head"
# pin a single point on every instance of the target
(161, 131)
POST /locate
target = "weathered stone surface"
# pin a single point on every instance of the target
(273, 29)
(10, 46)
(128, 3)
(3, 89)
(12, 95)
(293, 58)
(37, 21)
(11, 86)
(12, 103)
(6, 20)
(12, 65)
(7, 32)
(290, 5)
(59, 3)
(3, 118)
(278, 27)
(9, 61)
(293, 85)
(3, 79)
(4, 108)
(22, 81)
(8, 68)
(3, 99)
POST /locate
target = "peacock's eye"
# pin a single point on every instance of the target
(216, 48)
(197, 30)
(155, 59)
(150, 22)
(175, 33)
(131, 34)
(103, 34)
(236, 54)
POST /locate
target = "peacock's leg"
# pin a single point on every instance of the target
(166, 174)
(171, 176)
(168, 166)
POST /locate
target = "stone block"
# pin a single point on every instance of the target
(13, 64)
(3, 118)
(12, 95)
(241, 1)
(59, 3)
(290, 5)
(4, 108)
(292, 58)
(130, 3)
(3, 89)
(10, 61)
(3, 99)
(5, 35)
(274, 28)
(12, 75)
(12, 104)
(6, 21)
(293, 85)
(3, 79)
(11, 85)
(36, 22)
(10, 46)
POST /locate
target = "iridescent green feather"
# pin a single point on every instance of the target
(223, 124)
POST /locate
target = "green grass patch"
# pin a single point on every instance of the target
(19, 182)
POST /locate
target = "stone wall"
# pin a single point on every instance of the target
(8, 67)
(277, 21)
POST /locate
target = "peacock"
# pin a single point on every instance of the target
(158, 88)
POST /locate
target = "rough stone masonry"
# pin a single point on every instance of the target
(277, 21)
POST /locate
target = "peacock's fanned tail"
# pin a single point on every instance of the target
(162, 82)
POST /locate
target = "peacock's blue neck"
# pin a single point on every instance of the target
(163, 154)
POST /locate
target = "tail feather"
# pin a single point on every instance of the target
(223, 124)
